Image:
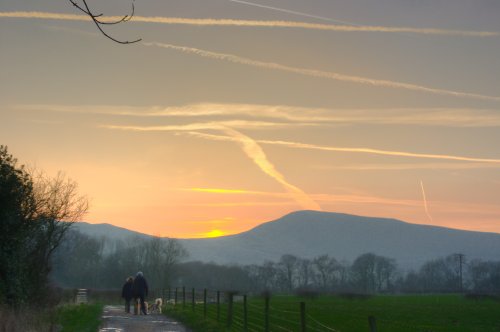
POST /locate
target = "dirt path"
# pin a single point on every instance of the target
(114, 319)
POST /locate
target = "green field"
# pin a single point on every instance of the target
(423, 313)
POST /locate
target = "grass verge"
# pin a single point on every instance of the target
(79, 318)
(193, 320)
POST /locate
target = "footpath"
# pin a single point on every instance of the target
(114, 319)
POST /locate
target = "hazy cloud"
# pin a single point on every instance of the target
(447, 117)
(248, 145)
(319, 73)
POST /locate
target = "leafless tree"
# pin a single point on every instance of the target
(100, 22)
(56, 206)
(325, 267)
(161, 255)
(288, 265)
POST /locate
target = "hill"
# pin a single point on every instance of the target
(311, 233)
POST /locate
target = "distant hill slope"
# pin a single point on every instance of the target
(106, 230)
(311, 233)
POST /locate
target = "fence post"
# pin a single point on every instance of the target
(169, 294)
(302, 316)
(175, 299)
(245, 314)
(373, 324)
(229, 309)
(193, 298)
(266, 314)
(218, 305)
(183, 296)
(205, 303)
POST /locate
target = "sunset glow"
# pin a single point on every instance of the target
(230, 113)
(214, 233)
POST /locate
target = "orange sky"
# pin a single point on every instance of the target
(228, 115)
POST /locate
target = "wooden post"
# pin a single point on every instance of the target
(183, 296)
(205, 303)
(218, 306)
(169, 294)
(193, 298)
(175, 299)
(229, 309)
(373, 324)
(302, 317)
(245, 314)
(266, 314)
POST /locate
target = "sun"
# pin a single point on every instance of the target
(214, 233)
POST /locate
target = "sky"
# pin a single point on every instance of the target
(231, 113)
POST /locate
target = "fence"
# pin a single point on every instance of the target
(238, 312)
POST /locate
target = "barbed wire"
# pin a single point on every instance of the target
(321, 324)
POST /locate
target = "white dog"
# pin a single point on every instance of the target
(156, 307)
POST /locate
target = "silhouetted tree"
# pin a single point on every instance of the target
(305, 272)
(325, 267)
(35, 213)
(440, 275)
(77, 262)
(98, 20)
(372, 273)
(288, 265)
(484, 277)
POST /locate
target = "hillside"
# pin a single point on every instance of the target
(310, 233)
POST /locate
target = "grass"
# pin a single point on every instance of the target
(79, 318)
(393, 313)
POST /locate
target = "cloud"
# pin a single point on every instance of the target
(307, 146)
(225, 191)
(219, 125)
(319, 73)
(248, 145)
(245, 203)
(253, 23)
(326, 198)
(447, 117)
(442, 206)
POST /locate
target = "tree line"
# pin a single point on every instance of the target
(83, 261)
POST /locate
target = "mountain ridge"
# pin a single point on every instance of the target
(309, 234)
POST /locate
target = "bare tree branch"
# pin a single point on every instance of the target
(96, 18)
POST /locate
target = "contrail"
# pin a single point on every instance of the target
(251, 149)
(425, 201)
(253, 23)
(298, 145)
(292, 12)
(255, 152)
(319, 73)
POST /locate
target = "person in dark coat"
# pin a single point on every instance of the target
(127, 293)
(140, 288)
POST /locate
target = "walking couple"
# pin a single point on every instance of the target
(137, 289)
